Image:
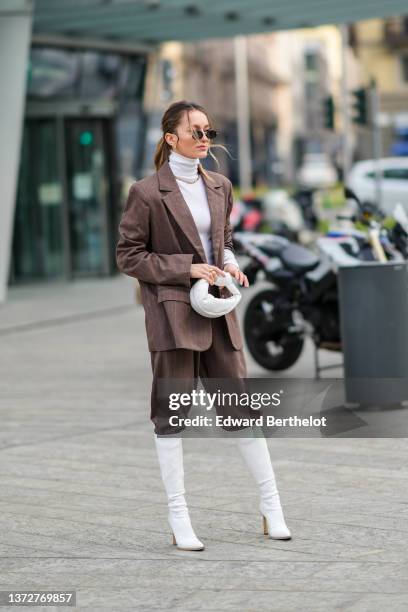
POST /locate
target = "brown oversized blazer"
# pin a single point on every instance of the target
(158, 242)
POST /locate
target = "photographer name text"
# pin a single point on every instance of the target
(228, 421)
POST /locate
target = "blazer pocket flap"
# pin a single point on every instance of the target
(180, 294)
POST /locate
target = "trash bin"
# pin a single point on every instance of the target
(374, 327)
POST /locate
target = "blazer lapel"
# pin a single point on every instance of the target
(215, 197)
(176, 204)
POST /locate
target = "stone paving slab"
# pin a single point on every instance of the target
(82, 505)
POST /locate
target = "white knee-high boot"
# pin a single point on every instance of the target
(170, 455)
(256, 455)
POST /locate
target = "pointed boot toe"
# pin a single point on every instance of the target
(274, 524)
(183, 534)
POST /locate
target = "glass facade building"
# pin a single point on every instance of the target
(82, 146)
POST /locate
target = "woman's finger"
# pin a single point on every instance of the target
(242, 278)
(218, 271)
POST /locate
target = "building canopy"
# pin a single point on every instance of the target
(154, 21)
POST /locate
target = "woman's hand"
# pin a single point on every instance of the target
(237, 274)
(209, 273)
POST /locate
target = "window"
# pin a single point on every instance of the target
(63, 73)
(311, 61)
(404, 66)
(52, 73)
(400, 174)
(99, 74)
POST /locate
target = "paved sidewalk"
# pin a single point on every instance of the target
(83, 507)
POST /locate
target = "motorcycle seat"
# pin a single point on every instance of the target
(271, 249)
(299, 259)
(272, 246)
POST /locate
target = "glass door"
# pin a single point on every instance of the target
(38, 250)
(88, 193)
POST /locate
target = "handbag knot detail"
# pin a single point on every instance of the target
(210, 306)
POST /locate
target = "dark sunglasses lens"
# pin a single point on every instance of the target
(198, 134)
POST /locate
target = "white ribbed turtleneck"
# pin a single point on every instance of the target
(183, 166)
(195, 197)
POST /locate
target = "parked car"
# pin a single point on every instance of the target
(394, 183)
(316, 172)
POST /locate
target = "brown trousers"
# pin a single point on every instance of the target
(221, 360)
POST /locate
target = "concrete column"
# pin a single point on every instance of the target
(15, 35)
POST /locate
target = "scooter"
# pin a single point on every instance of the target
(378, 242)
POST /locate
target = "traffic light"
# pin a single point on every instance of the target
(86, 138)
(328, 111)
(360, 106)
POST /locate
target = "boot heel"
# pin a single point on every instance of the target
(276, 528)
(265, 525)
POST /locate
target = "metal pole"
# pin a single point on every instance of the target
(377, 143)
(243, 112)
(347, 150)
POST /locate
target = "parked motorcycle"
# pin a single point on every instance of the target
(303, 299)
(283, 214)
(399, 232)
(378, 242)
(246, 214)
(306, 200)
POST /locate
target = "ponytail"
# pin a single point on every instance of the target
(162, 153)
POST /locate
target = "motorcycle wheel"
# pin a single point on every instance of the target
(269, 342)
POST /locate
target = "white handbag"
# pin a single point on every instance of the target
(210, 306)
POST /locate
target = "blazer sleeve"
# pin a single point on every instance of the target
(133, 257)
(228, 244)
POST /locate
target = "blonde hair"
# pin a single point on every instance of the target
(169, 123)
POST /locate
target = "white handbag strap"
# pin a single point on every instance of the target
(227, 281)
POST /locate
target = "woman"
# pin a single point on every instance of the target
(175, 228)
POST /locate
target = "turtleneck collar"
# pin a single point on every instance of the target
(183, 166)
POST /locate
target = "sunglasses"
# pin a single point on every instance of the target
(199, 134)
